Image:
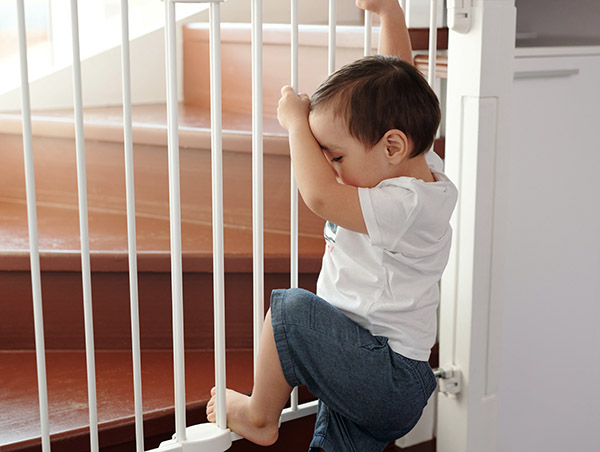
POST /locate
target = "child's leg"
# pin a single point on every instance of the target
(256, 418)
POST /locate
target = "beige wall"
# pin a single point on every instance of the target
(278, 11)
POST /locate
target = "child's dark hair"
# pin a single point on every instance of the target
(378, 93)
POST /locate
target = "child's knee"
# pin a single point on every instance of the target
(297, 296)
(293, 304)
(296, 301)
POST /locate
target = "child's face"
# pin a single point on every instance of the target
(352, 162)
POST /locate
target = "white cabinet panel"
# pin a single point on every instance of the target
(546, 265)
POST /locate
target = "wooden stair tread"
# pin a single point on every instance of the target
(67, 389)
(149, 126)
(58, 231)
(68, 402)
(58, 222)
(57, 209)
(441, 65)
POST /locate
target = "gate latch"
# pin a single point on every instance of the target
(449, 380)
(459, 15)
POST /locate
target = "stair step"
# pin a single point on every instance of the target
(56, 186)
(68, 405)
(236, 59)
(149, 126)
(58, 231)
(54, 152)
(58, 227)
(441, 66)
(62, 298)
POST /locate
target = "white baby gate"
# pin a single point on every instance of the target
(204, 437)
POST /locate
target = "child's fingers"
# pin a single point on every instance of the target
(362, 4)
(287, 89)
(376, 6)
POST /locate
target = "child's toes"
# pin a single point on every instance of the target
(210, 410)
(211, 403)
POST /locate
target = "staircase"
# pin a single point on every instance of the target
(54, 152)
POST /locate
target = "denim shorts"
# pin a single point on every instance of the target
(368, 394)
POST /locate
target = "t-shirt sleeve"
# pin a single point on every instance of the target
(388, 211)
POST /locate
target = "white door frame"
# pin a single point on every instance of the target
(480, 77)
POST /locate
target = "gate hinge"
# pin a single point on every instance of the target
(459, 15)
(449, 380)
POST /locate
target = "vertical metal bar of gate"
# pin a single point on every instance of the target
(84, 231)
(196, 435)
(257, 178)
(131, 238)
(432, 58)
(217, 209)
(217, 223)
(331, 46)
(34, 255)
(368, 32)
(293, 185)
(432, 42)
(175, 223)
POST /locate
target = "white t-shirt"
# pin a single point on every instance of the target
(387, 280)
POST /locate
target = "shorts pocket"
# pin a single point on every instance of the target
(370, 342)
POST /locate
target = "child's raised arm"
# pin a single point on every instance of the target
(316, 179)
(394, 39)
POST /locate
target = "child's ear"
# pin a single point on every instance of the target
(396, 145)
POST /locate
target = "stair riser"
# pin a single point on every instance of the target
(63, 309)
(236, 59)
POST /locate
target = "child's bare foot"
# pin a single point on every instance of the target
(242, 420)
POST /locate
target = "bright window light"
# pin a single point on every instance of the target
(48, 24)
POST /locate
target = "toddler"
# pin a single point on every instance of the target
(359, 148)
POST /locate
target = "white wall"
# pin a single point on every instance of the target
(101, 73)
(317, 12)
(278, 11)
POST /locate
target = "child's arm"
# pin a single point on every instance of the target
(315, 178)
(394, 39)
